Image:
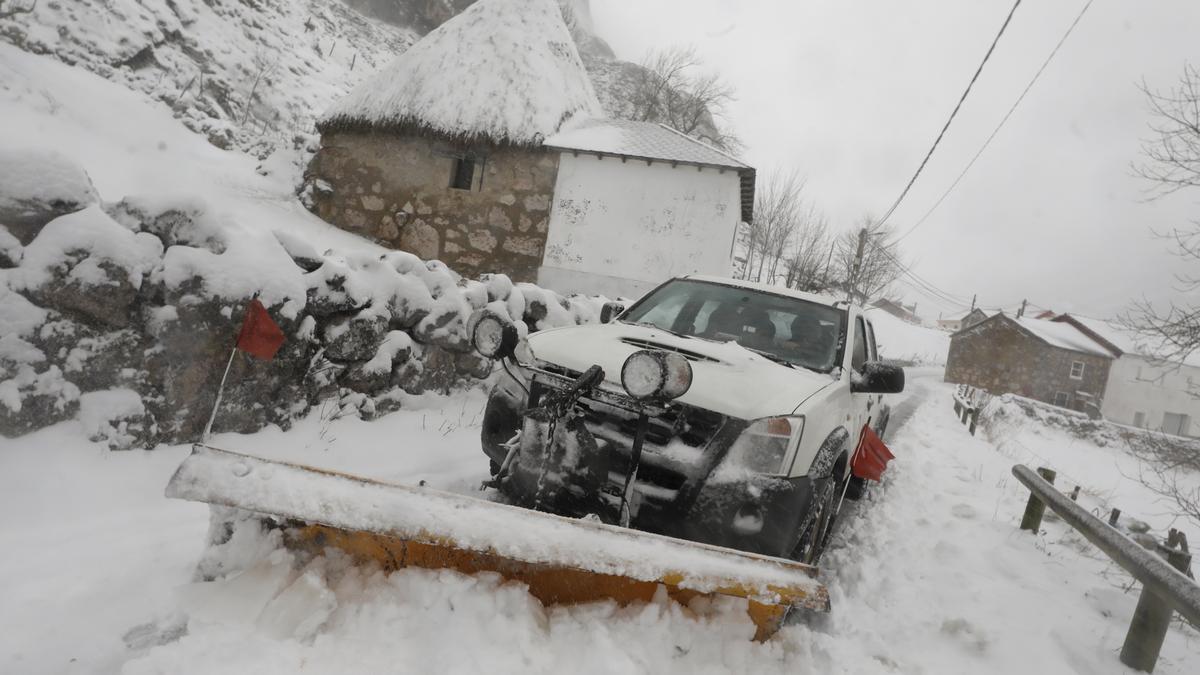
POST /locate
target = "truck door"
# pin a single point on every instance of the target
(862, 403)
(875, 401)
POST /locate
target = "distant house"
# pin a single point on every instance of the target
(1144, 391)
(898, 309)
(484, 146)
(1048, 361)
(967, 320)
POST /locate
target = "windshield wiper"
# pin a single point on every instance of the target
(772, 357)
(648, 324)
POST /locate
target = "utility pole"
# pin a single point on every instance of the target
(973, 297)
(858, 260)
(1021, 312)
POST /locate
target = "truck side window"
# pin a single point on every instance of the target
(859, 356)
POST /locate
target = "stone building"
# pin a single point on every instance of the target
(1044, 360)
(484, 146)
(440, 153)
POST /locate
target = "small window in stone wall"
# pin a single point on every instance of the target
(1139, 419)
(1062, 399)
(1077, 370)
(462, 174)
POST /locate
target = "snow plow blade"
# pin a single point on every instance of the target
(562, 560)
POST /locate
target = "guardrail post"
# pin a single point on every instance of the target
(974, 420)
(1152, 617)
(957, 407)
(1036, 508)
(1114, 516)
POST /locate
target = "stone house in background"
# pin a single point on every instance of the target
(1048, 361)
(446, 153)
(957, 323)
(898, 309)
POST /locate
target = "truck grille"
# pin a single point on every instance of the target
(675, 441)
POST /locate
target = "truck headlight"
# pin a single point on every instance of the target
(763, 446)
(494, 338)
(653, 374)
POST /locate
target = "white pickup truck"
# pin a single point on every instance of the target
(714, 410)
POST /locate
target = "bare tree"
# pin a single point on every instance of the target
(265, 66)
(673, 88)
(1167, 467)
(880, 265)
(1171, 163)
(807, 267)
(778, 203)
(5, 13)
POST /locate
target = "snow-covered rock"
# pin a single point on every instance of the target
(117, 417)
(37, 186)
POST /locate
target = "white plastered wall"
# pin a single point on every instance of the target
(620, 228)
(1135, 385)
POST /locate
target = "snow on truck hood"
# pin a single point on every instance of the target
(738, 383)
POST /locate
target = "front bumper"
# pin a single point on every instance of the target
(674, 492)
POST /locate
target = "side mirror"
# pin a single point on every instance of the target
(610, 311)
(877, 378)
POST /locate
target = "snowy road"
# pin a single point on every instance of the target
(930, 575)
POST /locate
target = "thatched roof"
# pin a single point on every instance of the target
(503, 71)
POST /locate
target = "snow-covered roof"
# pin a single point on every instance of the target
(1064, 335)
(1127, 339)
(505, 71)
(640, 140)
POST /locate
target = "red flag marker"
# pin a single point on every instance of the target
(872, 456)
(260, 335)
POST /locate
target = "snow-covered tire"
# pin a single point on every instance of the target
(817, 523)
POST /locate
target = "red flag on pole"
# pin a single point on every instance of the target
(872, 456)
(260, 335)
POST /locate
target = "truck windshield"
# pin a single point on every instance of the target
(796, 331)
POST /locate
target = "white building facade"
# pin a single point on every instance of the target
(636, 203)
(1144, 391)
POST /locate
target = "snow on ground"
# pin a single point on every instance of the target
(1107, 474)
(903, 341)
(131, 145)
(929, 575)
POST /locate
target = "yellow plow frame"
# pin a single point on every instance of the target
(561, 560)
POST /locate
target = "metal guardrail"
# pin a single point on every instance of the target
(1165, 586)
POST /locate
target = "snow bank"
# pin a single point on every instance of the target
(518, 80)
(902, 341)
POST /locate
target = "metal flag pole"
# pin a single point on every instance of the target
(220, 391)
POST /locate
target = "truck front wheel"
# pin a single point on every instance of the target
(817, 523)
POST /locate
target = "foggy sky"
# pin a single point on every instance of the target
(853, 92)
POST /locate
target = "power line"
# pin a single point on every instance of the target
(1002, 122)
(953, 114)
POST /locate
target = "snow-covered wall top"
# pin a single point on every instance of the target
(503, 70)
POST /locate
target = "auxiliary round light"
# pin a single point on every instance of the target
(494, 338)
(649, 374)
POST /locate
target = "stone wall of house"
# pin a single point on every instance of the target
(997, 356)
(396, 190)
